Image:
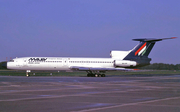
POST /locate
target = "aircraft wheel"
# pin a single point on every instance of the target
(103, 75)
(88, 75)
(91, 75)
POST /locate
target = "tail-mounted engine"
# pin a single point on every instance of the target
(124, 63)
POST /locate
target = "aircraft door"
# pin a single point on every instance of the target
(20, 63)
(25, 63)
(65, 62)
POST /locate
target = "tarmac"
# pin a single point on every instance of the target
(131, 93)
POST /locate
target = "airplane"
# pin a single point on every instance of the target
(95, 67)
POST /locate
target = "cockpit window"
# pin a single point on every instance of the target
(11, 61)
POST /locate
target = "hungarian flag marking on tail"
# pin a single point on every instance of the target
(142, 49)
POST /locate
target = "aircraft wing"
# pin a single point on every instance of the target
(78, 68)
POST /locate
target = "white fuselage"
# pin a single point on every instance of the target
(57, 63)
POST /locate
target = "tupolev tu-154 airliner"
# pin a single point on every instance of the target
(95, 67)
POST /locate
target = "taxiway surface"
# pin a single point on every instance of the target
(133, 93)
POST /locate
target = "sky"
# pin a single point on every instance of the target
(88, 28)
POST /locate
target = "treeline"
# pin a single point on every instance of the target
(1, 65)
(162, 66)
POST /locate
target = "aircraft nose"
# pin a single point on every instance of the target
(4, 65)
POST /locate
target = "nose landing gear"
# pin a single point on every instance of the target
(27, 71)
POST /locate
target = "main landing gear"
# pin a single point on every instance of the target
(96, 75)
(27, 71)
(90, 74)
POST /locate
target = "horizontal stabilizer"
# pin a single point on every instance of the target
(152, 39)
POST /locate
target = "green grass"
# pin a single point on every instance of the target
(81, 74)
(40, 73)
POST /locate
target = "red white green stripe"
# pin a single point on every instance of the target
(141, 49)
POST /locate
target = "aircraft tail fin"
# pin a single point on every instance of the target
(143, 48)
